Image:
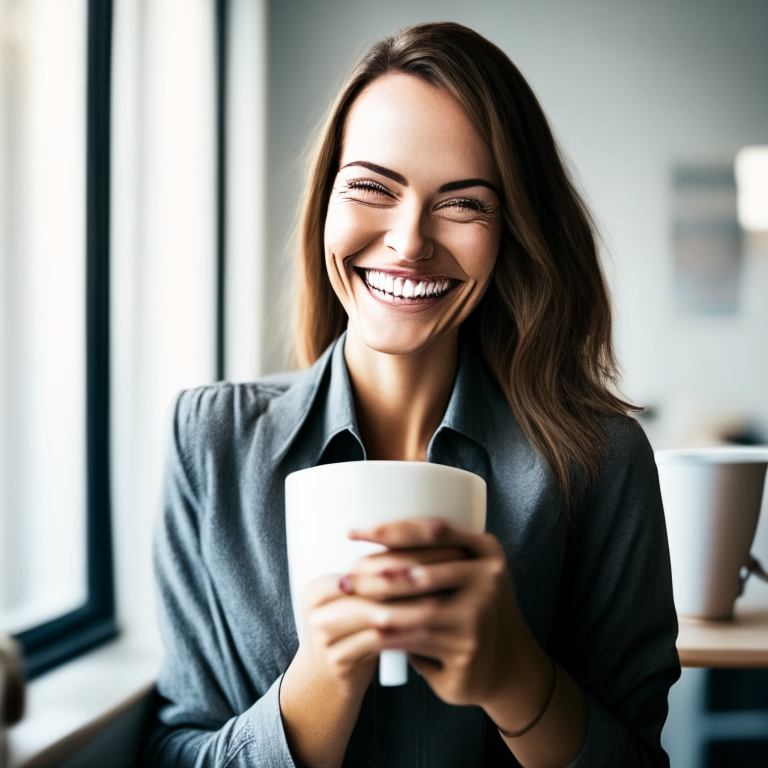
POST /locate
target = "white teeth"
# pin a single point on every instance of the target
(405, 288)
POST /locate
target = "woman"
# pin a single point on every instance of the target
(453, 310)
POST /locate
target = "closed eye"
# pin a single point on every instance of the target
(368, 187)
(466, 208)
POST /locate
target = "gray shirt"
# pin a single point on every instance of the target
(596, 591)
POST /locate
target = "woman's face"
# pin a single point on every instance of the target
(414, 218)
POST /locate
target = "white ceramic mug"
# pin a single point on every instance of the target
(712, 499)
(322, 504)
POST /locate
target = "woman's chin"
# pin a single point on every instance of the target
(395, 338)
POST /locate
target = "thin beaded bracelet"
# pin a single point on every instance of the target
(518, 734)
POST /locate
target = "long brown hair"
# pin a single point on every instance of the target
(544, 324)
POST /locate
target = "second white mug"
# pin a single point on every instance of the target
(712, 499)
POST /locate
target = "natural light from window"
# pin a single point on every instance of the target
(42, 310)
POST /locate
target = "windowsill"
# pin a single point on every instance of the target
(80, 697)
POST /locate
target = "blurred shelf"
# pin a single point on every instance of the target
(741, 643)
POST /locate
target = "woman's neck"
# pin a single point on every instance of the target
(400, 399)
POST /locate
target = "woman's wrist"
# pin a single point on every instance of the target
(319, 712)
(532, 724)
(525, 690)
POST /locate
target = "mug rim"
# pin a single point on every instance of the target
(373, 463)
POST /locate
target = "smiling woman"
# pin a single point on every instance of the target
(431, 238)
(452, 310)
(545, 325)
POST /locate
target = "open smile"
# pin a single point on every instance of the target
(398, 289)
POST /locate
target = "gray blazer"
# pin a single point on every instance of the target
(596, 593)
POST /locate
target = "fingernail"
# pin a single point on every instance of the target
(436, 527)
(390, 574)
(345, 585)
(417, 575)
(353, 534)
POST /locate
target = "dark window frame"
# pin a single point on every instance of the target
(78, 631)
(222, 18)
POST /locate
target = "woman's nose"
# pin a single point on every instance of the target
(408, 236)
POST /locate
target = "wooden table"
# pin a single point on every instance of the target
(738, 644)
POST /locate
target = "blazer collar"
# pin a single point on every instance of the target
(477, 408)
(325, 393)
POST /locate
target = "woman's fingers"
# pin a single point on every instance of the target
(395, 558)
(424, 642)
(428, 532)
(329, 618)
(339, 618)
(321, 591)
(355, 648)
(411, 580)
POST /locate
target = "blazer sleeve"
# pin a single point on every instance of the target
(196, 722)
(617, 621)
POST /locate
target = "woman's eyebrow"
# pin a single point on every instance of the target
(452, 186)
(394, 175)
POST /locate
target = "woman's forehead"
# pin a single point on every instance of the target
(400, 119)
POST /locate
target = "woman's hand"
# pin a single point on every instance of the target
(323, 688)
(343, 636)
(456, 616)
(458, 620)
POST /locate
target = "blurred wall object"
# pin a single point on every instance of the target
(752, 200)
(752, 180)
(11, 690)
(707, 240)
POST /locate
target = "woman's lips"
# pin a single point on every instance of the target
(406, 290)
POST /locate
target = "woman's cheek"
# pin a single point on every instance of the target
(349, 229)
(475, 251)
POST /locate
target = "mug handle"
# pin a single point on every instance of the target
(752, 567)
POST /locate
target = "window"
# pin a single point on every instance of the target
(56, 591)
(158, 324)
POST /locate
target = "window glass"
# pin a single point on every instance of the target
(42, 310)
